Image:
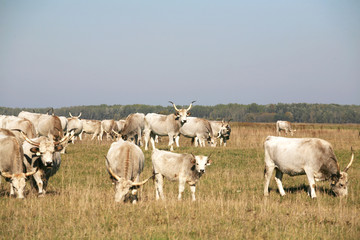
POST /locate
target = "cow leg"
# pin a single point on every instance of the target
(146, 138)
(181, 187)
(267, 176)
(278, 179)
(193, 188)
(310, 176)
(39, 183)
(159, 182)
(171, 142)
(177, 138)
(12, 193)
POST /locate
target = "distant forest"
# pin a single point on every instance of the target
(295, 112)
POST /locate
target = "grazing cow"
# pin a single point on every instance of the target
(44, 124)
(299, 156)
(133, 128)
(125, 162)
(198, 128)
(74, 123)
(11, 163)
(221, 130)
(284, 126)
(43, 153)
(13, 122)
(165, 125)
(91, 127)
(108, 126)
(185, 168)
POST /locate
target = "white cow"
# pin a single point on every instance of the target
(125, 162)
(91, 127)
(221, 130)
(165, 125)
(198, 129)
(185, 168)
(284, 126)
(299, 156)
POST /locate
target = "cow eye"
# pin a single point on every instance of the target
(341, 185)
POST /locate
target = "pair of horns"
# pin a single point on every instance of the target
(73, 116)
(8, 175)
(188, 109)
(68, 136)
(134, 184)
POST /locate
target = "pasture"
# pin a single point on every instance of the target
(79, 203)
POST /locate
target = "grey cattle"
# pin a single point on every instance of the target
(91, 127)
(43, 153)
(284, 126)
(64, 123)
(198, 129)
(108, 126)
(74, 123)
(221, 130)
(299, 156)
(125, 162)
(13, 122)
(11, 163)
(133, 128)
(44, 124)
(165, 125)
(185, 168)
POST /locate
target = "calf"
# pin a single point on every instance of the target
(185, 168)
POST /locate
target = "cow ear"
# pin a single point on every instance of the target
(193, 159)
(209, 162)
(188, 113)
(58, 148)
(34, 150)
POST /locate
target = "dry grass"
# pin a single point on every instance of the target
(230, 203)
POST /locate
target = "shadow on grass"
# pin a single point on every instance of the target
(304, 188)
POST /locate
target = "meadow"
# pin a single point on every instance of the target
(79, 203)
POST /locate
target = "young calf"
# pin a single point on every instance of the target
(185, 168)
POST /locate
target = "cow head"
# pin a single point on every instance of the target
(182, 114)
(339, 185)
(18, 182)
(225, 129)
(123, 187)
(45, 147)
(200, 163)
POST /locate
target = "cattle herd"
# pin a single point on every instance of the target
(31, 145)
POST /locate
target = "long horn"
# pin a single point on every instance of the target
(66, 137)
(351, 161)
(28, 139)
(79, 115)
(111, 172)
(174, 105)
(6, 175)
(190, 106)
(143, 182)
(31, 173)
(117, 134)
(70, 114)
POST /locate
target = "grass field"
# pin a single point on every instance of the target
(230, 204)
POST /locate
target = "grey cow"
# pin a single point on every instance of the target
(299, 156)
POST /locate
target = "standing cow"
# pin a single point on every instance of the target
(43, 153)
(125, 162)
(221, 130)
(299, 156)
(74, 123)
(199, 129)
(44, 124)
(133, 127)
(185, 168)
(108, 126)
(165, 125)
(284, 126)
(13, 122)
(11, 163)
(91, 127)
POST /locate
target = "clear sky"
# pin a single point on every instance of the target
(87, 52)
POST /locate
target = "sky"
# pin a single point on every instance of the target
(87, 52)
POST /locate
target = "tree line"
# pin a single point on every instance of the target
(294, 112)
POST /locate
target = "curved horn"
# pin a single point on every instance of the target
(31, 173)
(28, 139)
(174, 105)
(190, 106)
(79, 115)
(66, 137)
(143, 182)
(117, 134)
(70, 114)
(6, 175)
(110, 171)
(351, 161)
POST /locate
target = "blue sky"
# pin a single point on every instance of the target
(70, 53)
